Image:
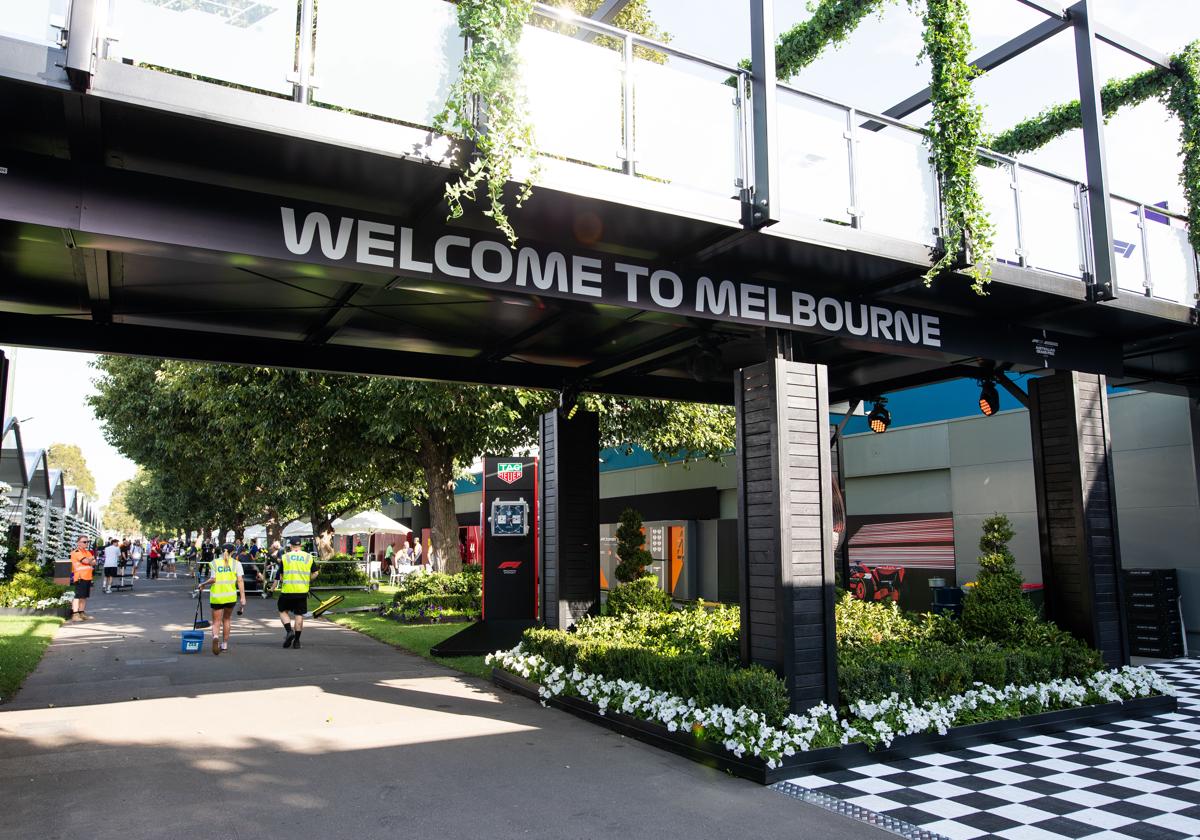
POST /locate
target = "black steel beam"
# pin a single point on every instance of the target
(1104, 279)
(341, 310)
(902, 383)
(760, 206)
(505, 349)
(664, 345)
(1005, 52)
(1013, 388)
(81, 334)
(1052, 9)
(91, 268)
(1132, 47)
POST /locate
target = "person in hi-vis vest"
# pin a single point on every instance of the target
(227, 587)
(82, 563)
(296, 573)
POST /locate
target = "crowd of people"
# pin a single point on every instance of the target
(125, 558)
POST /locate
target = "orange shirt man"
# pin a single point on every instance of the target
(82, 563)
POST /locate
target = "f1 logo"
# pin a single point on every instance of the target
(510, 567)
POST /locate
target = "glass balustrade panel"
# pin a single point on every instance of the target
(406, 78)
(1050, 223)
(1000, 202)
(574, 93)
(1172, 262)
(685, 126)
(896, 186)
(246, 42)
(813, 158)
(29, 20)
(1127, 248)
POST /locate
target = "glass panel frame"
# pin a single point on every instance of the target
(251, 43)
(1000, 202)
(1050, 223)
(896, 186)
(813, 158)
(1128, 252)
(424, 51)
(29, 20)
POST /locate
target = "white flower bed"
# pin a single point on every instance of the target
(26, 603)
(745, 731)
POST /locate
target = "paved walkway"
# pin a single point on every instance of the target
(1128, 780)
(117, 734)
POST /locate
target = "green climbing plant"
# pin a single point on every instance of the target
(1183, 100)
(486, 107)
(954, 135)
(1037, 131)
(1178, 88)
(831, 23)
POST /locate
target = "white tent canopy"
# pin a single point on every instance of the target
(256, 532)
(299, 528)
(369, 522)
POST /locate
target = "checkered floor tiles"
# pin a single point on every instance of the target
(1135, 779)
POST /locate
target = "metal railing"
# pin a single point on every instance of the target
(607, 103)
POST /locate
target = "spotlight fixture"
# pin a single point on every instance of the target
(880, 418)
(989, 398)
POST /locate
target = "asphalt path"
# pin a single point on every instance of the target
(118, 734)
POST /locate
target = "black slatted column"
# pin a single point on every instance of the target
(569, 473)
(1077, 511)
(785, 525)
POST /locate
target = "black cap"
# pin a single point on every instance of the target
(293, 541)
(227, 547)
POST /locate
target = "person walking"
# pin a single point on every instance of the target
(82, 563)
(155, 556)
(112, 559)
(298, 574)
(170, 559)
(227, 587)
(135, 556)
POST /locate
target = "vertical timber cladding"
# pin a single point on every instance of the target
(570, 504)
(785, 521)
(1077, 519)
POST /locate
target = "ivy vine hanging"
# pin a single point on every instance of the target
(486, 107)
(954, 136)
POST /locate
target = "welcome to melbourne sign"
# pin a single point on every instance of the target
(459, 257)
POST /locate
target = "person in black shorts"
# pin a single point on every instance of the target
(295, 577)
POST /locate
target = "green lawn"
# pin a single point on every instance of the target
(417, 638)
(23, 640)
(355, 598)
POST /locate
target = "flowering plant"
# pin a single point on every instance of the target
(745, 731)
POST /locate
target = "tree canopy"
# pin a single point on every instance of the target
(68, 457)
(229, 445)
(117, 516)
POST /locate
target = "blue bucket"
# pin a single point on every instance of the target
(193, 641)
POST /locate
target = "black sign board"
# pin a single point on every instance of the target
(510, 530)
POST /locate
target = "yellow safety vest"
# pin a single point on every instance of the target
(297, 569)
(224, 588)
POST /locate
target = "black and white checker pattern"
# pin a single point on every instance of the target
(1135, 779)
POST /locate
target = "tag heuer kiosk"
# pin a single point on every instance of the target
(509, 555)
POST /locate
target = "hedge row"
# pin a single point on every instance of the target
(934, 670)
(687, 675)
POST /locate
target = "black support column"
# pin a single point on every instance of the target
(1077, 511)
(785, 546)
(569, 492)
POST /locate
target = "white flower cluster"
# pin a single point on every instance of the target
(27, 603)
(745, 731)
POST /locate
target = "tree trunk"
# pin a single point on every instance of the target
(274, 527)
(438, 466)
(239, 527)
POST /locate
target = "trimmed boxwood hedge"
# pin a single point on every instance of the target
(687, 675)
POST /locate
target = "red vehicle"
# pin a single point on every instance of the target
(876, 584)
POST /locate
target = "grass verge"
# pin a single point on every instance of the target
(355, 598)
(415, 638)
(23, 640)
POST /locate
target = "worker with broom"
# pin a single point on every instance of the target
(297, 574)
(227, 587)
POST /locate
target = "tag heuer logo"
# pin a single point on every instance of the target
(509, 473)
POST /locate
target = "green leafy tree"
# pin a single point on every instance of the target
(69, 458)
(995, 607)
(631, 547)
(117, 515)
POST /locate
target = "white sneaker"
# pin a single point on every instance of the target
(224, 645)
